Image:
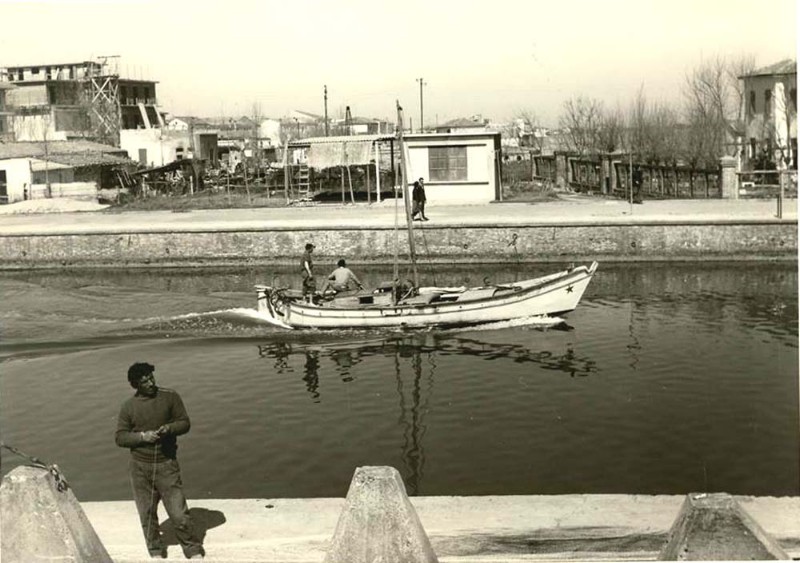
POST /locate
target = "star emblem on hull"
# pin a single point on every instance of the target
(569, 289)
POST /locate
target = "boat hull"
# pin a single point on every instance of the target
(550, 295)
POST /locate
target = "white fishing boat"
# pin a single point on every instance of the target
(401, 306)
(404, 304)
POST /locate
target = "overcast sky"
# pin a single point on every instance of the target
(489, 57)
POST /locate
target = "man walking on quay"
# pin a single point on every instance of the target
(418, 198)
(149, 423)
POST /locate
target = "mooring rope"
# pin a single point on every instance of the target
(61, 482)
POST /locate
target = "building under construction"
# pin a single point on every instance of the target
(82, 100)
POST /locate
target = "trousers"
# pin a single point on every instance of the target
(154, 482)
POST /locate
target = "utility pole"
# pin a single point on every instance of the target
(326, 110)
(421, 113)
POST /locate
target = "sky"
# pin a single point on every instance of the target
(495, 58)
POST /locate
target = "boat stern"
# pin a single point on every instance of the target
(268, 302)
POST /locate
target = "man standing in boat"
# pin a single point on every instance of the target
(340, 278)
(149, 423)
(418, 198)
(307, 271)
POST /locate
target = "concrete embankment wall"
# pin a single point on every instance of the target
(203, 245)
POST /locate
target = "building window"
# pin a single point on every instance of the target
(447, 164)
(752, 102)
(753, 148)
(767, 102)
(793, 99)
(35, 70)
(3, 187)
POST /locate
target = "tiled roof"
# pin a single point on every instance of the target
(90, 159)
(786, 66)
(60, 148)
(462, 122)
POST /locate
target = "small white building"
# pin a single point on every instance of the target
(32, 170)
(157, 147)
(457, 167)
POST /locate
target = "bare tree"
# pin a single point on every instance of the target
(612, 131)
(582, 121)
(713, 99)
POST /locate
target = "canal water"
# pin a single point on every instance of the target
(667, 379)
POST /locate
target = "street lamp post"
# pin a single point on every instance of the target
(421, 106)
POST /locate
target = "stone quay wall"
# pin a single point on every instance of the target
(744, 239)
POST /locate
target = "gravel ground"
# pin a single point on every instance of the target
(54, 205)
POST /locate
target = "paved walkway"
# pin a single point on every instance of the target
(461, 529)
(572, 210)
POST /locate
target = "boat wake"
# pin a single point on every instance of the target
(538, 322)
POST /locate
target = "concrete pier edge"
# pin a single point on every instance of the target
(715, 527)
(508, 233)
(40, 522)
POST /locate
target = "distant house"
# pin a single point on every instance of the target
(361, 126)
(186, 123)
(32, 170)
(770, 116)
(6, 132)
(157, 147)
(475, 123)
(304, 116)
(460, 167)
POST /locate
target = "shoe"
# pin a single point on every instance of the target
(425, 219)
(197, 556)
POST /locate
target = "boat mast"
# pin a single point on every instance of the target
(406, 197)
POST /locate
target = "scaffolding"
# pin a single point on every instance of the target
(102, 93)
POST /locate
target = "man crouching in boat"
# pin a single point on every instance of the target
(341, 277)
(149, 423)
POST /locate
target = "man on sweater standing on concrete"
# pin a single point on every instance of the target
(149, 423)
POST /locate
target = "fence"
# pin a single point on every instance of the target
(665, 182)
(74, 190)
(767, 183)
(613, 177)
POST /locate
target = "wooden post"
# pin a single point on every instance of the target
(377, 172)
(406, 198)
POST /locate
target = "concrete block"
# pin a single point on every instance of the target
(38, 522)
(378, 522)
(714, 527)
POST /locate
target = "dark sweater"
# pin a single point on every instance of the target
(141, 414)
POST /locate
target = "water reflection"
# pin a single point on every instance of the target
(412, 411)
(417, 354)
(311, 374)
(419, 347)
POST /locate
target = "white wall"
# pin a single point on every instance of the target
(18, 173)
(36, 128)
(176, 124)
(270, 129)
(479, 187)
(161, 147)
